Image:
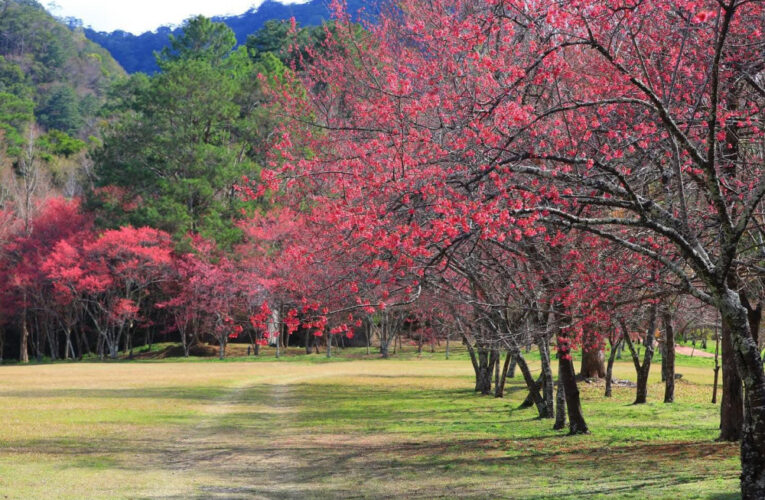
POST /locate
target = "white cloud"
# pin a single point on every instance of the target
(138, 16)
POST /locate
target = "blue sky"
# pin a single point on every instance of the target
(138, 16)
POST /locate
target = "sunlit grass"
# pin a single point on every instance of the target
(361, 428)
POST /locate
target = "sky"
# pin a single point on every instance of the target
(138, 16)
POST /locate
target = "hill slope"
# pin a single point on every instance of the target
(58, 70)
(136, 52)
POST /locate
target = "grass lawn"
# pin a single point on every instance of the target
(361, 428)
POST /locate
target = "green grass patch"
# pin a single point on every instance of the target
(349, 427)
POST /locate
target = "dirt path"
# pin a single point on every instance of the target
(690, 351)
(248, 444)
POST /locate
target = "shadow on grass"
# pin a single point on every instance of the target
(360, 441)
(371, 441)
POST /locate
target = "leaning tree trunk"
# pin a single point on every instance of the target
(531, 384)
(668, 360)
(499, 390)
(474, 362)
(529, 401)
(749, 366)
(576, 423)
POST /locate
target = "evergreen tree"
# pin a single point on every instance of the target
(186, 136)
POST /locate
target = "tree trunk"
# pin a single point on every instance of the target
(185, 343)
(593, 362)
(717, 366)
(560, 405)
(529, 401)
(68, 348)
(24, 341)
(114, 350)
(278, 337)
(511, 371)
(547, 383)
(668, 360)
(308, 346)
(100, 346)
(495, 357)
(2, 343)
(484, 372)
(499, 390)
(644, 369)
(610, 367)
(384, 351)
(531, 384)
(732, 402)
(576, 423)
(474, 361)
(82, 344)
(749, 366)
(368, 332)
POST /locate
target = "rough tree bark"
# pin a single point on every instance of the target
(529, 401)
(531, 384)
(486, 360)
(547, 381)
(749, 365)
(732, 401)
(560, 405)
(668, 360)
(593, 362)
(576, 423)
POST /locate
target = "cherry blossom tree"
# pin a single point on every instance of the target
(636, 122)
(110, 276)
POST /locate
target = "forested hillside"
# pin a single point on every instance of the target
(53, 84)
(104, 238)
(136, 52)
(54, 71)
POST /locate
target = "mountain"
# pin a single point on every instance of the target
(136, 52)
(49, 72)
